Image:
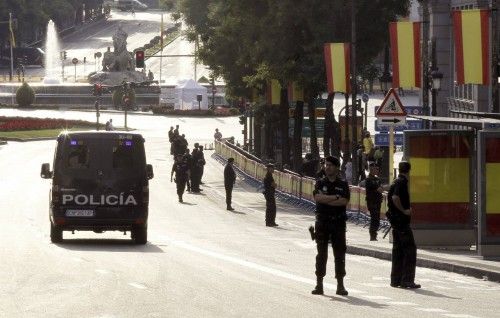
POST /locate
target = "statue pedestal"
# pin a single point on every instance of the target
(116, 78)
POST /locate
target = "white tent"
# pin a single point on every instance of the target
(186, 95)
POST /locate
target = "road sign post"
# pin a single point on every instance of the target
(74, 61)
(391, 113)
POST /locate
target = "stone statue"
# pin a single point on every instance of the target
(118, 65)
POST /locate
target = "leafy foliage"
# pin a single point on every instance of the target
(25, 95)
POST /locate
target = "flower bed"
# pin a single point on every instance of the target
(29, 123)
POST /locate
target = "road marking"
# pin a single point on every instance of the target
(375, 297)
(252, 265)
(459, 316)
(432, 310)
(374, 285)
(402, 303)
(137, 285)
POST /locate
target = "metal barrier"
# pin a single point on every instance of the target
(295, 189)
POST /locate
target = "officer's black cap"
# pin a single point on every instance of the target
(230, 159)
(333, 160)
(404, 167)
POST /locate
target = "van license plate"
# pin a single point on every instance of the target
(80, 213)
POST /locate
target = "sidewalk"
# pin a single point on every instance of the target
(300, 216)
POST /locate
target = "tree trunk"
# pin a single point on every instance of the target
(327, 137)
(285, 140)
(297, 135)
(312, 125)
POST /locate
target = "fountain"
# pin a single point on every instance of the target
(52, 56)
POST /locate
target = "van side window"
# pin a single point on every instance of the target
(123, 157)
(78, 157)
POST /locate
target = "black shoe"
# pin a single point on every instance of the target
(373, 239)
(318, 290)
(341, 291)
(271, 224)
(410, 285)
(230, 208)
(395, 285)
(180, 200)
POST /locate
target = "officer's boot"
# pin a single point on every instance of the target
(318, 290)
(340, 287)
(373, 236)
(180, 198)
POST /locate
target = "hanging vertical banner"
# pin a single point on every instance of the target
(471, 33)
(295, 93)
(405, 49)
(273, 92)
(337, 62)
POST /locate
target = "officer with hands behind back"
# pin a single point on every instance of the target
(404, 250)
(331, 195)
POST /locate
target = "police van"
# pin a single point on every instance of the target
(100, 182)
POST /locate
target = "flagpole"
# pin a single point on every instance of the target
(11, 58)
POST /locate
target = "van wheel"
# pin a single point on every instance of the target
(56, 234)
(140, 235)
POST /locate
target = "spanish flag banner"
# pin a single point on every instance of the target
(492, 173)
(295, 93)
(273, 92)
(337, 62)
(471, 32)
(405, 49)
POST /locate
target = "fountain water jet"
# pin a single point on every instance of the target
(52, 56)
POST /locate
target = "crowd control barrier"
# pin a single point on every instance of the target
(293, 187)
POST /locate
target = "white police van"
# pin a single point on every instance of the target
(100, 182)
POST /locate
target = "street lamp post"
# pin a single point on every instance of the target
(434, 79)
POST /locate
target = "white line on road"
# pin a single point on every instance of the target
(262, 268)
(432, 310)
(402, 303)
(136, 285)
(459, 316)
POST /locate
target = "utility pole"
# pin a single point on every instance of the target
(354, 88)
(425, 59)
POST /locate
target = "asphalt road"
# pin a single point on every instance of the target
(201, 260)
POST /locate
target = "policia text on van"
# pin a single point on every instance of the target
(99, 183)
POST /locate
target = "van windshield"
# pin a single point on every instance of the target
(110, 158)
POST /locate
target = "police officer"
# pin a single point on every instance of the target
(201, 163)
(181, 169)
(373, 198)
(171, 139)
(229, 179)
(187, 158)
(321, 173)
(331, 195)
(269, 194)
(195, 169)
(404, 250)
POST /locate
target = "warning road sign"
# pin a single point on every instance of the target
(391, 106)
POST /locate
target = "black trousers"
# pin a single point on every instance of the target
(330, 231)
(374, 209)
(270, 208)
(404, 256)
(195, 180)
(181, 185)
(229, 194)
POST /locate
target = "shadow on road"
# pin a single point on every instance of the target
(430, 293)
(357, 301)
(108, 245)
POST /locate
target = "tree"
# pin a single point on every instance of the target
(251, 42)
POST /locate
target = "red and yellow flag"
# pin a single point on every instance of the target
(471, 32)
(273, 92)
(337, 61)
(492, 173)
(295, 93)
(405, 47)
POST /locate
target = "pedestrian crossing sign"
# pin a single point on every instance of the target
(391, 106)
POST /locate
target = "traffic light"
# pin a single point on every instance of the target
(139, 59)
(358, 104)
(97, 90)
(243, 120)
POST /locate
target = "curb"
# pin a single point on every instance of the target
(381, 254)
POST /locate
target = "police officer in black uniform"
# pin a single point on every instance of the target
(269, 194)
(404, 250)
(195, 169)
(373, 197)
(332, 195)
(201, 163)
(181, 169)
(229, 179)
